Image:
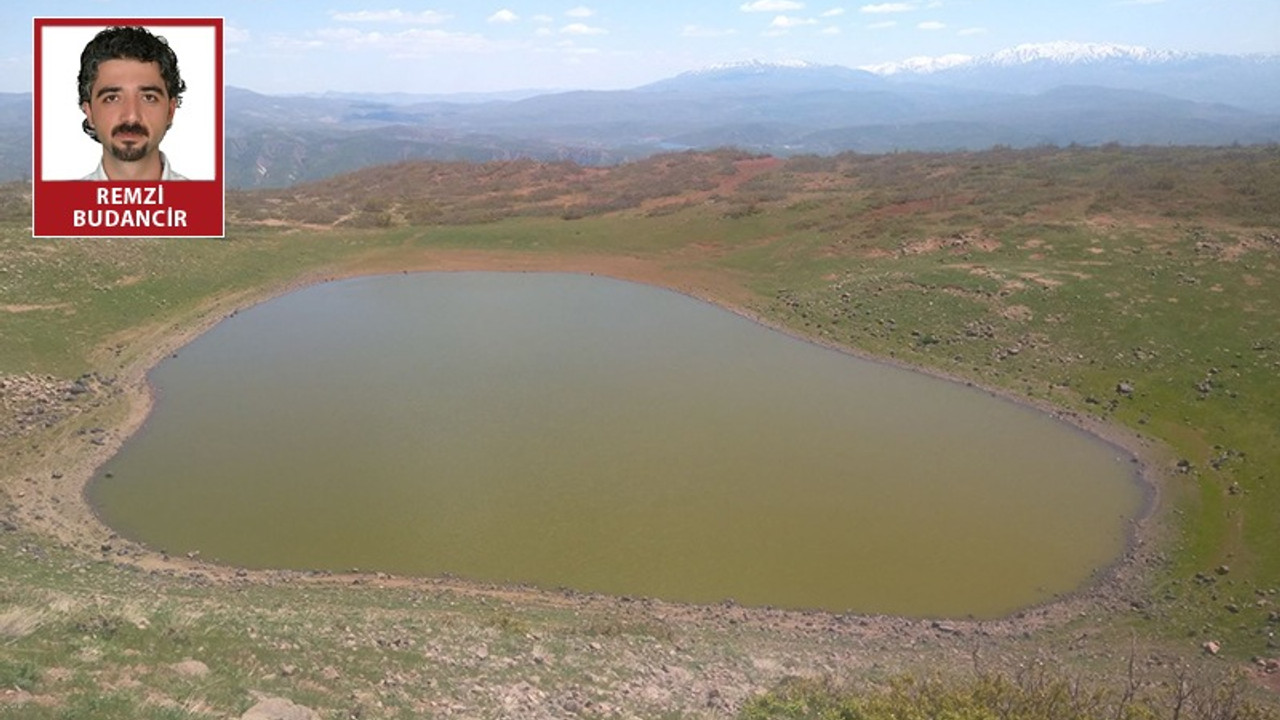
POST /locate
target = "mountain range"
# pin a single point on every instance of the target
(1058, 93)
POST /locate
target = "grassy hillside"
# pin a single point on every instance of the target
(1134, 289)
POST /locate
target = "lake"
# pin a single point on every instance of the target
(582, 432)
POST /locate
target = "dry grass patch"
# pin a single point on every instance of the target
(19, 622)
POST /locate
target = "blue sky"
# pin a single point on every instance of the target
(450, 46)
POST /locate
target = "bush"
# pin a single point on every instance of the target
(19, 675)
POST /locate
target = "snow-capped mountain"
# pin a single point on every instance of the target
(1054, 94)
(1247, 81)
(1056, 53)
(755, 66)
(919, 65)
(758, 75)
(1073, 53)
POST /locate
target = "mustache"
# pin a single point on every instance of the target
(131, 128)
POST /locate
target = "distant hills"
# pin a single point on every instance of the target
(1058, 94)
(1250, 82)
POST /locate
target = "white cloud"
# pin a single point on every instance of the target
(570, 48)
(426, 17)
(786, 21)
(697, 31)
(543, 19)
(931, 25)
(771, 6)
(883, 25)
(882, 8)
(233, 35)
(582, 29)
(831, 30)
(287, 43)
(504, 16)
(411, 43)
(833, 12)
(973, 31)
(582, 11)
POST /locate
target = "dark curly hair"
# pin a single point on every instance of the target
(128, 43)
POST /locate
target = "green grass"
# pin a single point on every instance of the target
(1032, 694)
(1055, 275)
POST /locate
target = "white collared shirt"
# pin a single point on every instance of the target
(166, 172)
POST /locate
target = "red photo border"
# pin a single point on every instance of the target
(176, 208)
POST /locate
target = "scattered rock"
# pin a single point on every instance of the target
(1223, 569)
(946, 628)
(275, 708)
(1213, 647)
(191, 668)
(1125, 388)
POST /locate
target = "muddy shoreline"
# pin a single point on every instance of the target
(48, 496)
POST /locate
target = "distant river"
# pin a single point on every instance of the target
(575, 431)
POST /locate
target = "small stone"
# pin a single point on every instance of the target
(279, 709)
(1223, 569)
(1213, 647)
(191, 668)
(946, 628)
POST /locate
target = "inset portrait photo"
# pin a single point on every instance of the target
(128, 127)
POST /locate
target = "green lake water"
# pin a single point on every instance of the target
(581, 432)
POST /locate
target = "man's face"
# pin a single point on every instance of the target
(129, 108)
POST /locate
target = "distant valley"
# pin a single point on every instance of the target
(1056, 94)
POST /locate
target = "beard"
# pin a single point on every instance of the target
(130, 153)
(133, 152)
